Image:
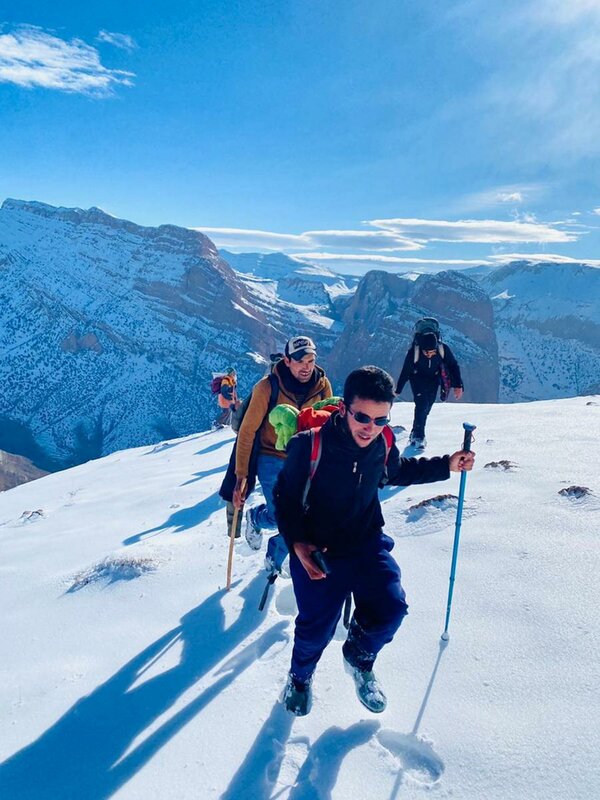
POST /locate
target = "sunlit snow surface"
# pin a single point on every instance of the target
(128, 671)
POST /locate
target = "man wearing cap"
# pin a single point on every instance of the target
(301, 384)
(423, 368)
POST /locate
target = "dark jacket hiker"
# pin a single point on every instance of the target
(431, 371)
(342, 519)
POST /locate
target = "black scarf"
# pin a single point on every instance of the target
(294, 386)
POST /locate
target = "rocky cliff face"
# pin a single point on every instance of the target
(379, 322)
(15, 470)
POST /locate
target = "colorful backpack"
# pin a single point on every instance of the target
(215, 384)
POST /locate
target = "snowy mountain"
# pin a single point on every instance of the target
(547, 320)
(111, 331)
(292, 282)
(127, 671)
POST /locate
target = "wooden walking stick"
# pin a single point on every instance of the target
(232, 536)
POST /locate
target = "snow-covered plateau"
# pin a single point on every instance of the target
(128, 671)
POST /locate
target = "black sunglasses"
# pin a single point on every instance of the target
(365, 419)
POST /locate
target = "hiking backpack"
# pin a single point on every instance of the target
(215, 384)
(427, 325)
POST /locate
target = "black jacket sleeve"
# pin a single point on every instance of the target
(406, 370)
(406, 471)
(289, 490)
(453, 368)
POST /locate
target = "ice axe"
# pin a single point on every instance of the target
(461, 494)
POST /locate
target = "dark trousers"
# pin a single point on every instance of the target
(373, 577)
(224, 417)
(424, 400)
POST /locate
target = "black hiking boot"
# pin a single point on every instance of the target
(297, 696)
(368, 688)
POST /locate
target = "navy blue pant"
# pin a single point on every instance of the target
(373, 577)
(424, 400)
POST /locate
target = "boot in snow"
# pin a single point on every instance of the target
(252, 534)
(297, 697)
(368, 688)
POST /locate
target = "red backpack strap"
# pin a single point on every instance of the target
(389, 439)
(316, 448)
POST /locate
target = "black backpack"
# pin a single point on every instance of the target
(427, 325)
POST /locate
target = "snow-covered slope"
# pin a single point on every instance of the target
(127, 671)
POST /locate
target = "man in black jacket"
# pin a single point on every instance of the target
(342, 520)
(425, 366)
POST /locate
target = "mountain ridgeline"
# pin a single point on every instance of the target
(111, 330)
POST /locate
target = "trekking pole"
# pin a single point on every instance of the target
(232, 537)
(461, 494)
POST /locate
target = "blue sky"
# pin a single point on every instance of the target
(361, 134)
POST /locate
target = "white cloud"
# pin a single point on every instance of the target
(548, 257)
(597, 211)
(475, 230)
(242, 237)
(31, 57)
(510, 197)
(496, 197)
(384, 241)
(366, 259)
(121, 40)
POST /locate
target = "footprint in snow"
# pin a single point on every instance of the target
(433, 514)
(417, 759)
(285, 601)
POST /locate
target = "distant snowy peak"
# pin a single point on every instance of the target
(196, 242)
(271, 266)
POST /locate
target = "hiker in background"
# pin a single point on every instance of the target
(227, 398)
(429, 365)
(300, 383)
(334, 532)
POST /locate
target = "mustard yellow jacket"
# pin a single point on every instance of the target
(254, 419)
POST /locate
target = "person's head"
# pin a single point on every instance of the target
(368, 397)
(300, 357)
(428, 343)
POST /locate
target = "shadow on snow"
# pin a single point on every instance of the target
(86, 752)
(183, 519)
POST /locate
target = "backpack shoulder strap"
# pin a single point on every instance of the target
(441, 350)
(389, 439)
(274, 392)
(316, 447)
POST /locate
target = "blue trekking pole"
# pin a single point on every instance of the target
(461, 495)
